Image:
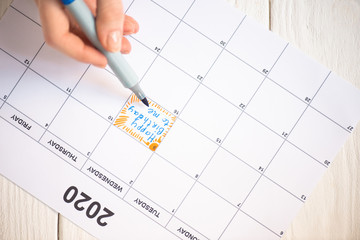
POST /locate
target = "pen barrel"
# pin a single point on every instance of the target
(116, 60)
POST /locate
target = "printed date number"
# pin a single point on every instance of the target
(92, 210)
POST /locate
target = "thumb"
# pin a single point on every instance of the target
(109, 24)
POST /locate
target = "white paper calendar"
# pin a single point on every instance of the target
(240, 128)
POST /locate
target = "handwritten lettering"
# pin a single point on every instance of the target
(149, 125)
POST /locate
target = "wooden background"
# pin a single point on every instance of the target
(328, 31)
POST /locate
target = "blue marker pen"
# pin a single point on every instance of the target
(116, 61)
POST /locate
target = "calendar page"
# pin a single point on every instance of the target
(240, 128)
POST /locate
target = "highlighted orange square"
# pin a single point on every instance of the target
(149, 125)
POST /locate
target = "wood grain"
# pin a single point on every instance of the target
(23, 216)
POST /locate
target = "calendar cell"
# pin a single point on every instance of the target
(61, 70)
(178, 8)
(75, 123)
(210, 114)
(122, 155)
(276, 108)
(247, 137)
(209, 18)
(23, 37)
(154, 32)
(229, 177)
(312, 135)
(102, 92)
(334, 104)
(298, 73)
(182, 148)
(191, 51)
(159, 177)
(43, 107)
(227, 72)
(255, 45)
(11, 71)
(244, 227)
(140, 58)
(181, 86)
(268, 200)
(295, 171)
(193, 211)
(148, 124)
(28, 8)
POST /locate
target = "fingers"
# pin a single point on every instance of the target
(131, 26)
(126, 46)
(109, 24)
(61, 32)
(75, 47)
(56, 29)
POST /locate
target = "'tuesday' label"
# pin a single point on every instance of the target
(148, 207)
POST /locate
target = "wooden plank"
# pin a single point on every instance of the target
(69, 230)
(257, 9)
(23, 216)
(327, 30)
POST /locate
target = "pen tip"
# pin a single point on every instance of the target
(145, 101)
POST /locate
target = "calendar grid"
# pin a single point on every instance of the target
(63, 104)
(189, 25)
(27, 67)
(13, 57)
(157, 55)
(196, 180)
(110, 124)
(243, 61)
(134, 186)
(225, 49)
(262, 174)
(88, 157)
(242, 204)
(252, 218)
(25, 15)
(317, 160)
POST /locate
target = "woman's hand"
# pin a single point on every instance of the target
(62, 32)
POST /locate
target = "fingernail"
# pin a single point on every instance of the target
(136, 28)
(114, 41)
(133, 28)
